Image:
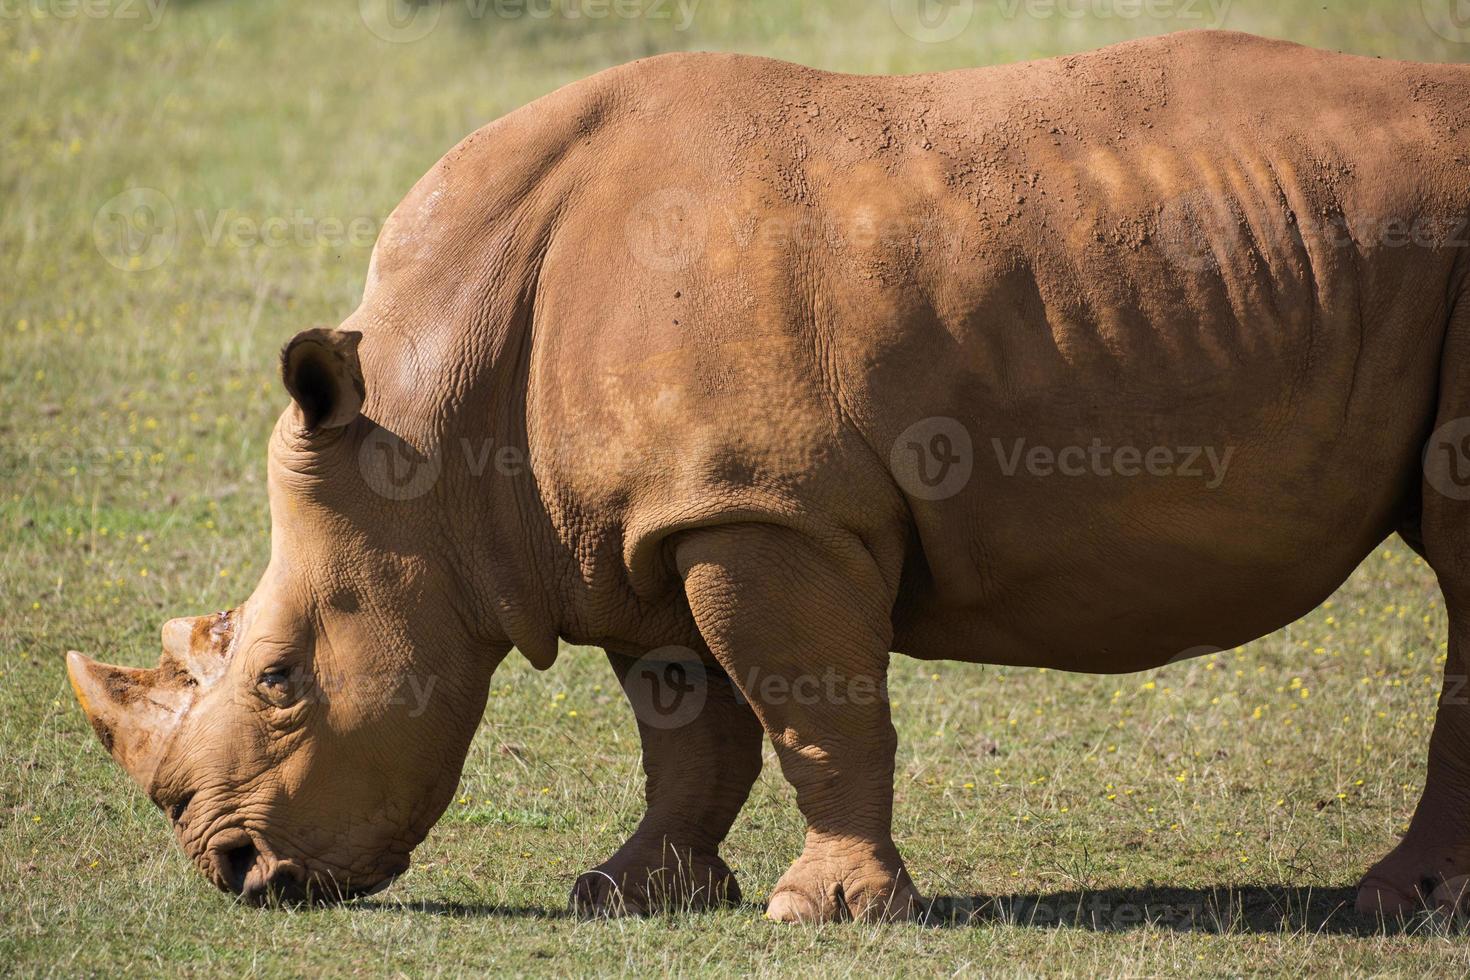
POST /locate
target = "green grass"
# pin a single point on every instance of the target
(1232, 801)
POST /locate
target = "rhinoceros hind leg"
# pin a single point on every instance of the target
(805, 631)
(1430, 868)
(701, 754)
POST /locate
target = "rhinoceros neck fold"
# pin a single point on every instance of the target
(447, 395)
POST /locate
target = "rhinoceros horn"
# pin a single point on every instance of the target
(135, 712)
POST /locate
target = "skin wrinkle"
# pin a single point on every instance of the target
(706, 396)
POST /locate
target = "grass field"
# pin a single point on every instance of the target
(1208, 818)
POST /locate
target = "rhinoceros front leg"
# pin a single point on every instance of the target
(805, 630)
(701, 754)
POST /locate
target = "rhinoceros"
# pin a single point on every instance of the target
(752, 374)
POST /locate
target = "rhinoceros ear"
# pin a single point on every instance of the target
(322, 373)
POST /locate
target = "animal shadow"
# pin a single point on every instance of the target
(1213, 909)
(463, 910)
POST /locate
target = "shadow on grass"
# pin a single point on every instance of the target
(1256, 909)
(465, 910)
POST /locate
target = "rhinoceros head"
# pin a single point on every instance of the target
(304, 742)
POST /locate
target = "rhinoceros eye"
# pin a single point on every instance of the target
(176, 812)
(275, 685)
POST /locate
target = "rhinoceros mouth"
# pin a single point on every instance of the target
(238, 863)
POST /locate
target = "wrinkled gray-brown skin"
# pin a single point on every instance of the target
(665, 340)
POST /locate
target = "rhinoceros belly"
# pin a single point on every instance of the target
(1109, 489)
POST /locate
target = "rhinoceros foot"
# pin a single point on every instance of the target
(837, 880)
(644, 879)
(1411, 879)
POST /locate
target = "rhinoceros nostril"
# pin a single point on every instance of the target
(288, 884)
(284, 885)
(237, 864)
